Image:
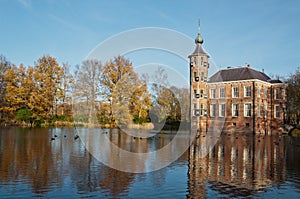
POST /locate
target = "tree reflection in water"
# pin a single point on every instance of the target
(238, 166)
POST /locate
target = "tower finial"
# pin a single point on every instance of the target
(198, 25)
(199, 38)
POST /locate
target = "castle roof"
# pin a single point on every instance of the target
(199, 41)
(199, 50)
(238, 74)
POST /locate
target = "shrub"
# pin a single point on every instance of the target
(23, 114)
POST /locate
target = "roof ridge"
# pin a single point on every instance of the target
(238, 73)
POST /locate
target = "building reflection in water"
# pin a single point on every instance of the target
(237, 166)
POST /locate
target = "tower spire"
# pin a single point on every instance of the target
(198, 25)
(199, 38)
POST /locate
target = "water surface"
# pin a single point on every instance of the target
(33, 165)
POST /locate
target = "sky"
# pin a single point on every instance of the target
(262, 33)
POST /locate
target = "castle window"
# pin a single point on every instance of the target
(195, 61)
(202, 76)
(212, 110)
(276, 93)
(201, 109)
(247, 125)
(283, 94)
(212, 93)
(196, 95)
(195, 77)
(222, 110)
(247, 110)
(235, 110)
(258, 110)
(258, 92)
(276, 111)
(247, 91)
(265, 111)
(265, 93)
(235, 92)
(222, 92)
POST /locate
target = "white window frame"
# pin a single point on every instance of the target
(247, 91)
(247, 110)
(276, 111)
(213, 111)
(212, 93)
(265, 111)
(235, 92)
(258, 110)
(222, 92)
(235, 110)
(265, 93)
(258, 92)
(222, 110)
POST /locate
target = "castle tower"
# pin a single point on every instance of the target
(198, 86)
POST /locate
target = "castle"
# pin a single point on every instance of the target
(239, 99)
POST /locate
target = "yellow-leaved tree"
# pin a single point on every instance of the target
(47, 75)
(4, 66)
(126, 94)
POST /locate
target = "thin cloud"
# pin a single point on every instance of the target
(62, 22)
(68, 25)
(25, 3)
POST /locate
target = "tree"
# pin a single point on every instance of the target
(4, 66)
(124, 91)
(161, 95)
(16, 91)
(171, 102)
(63, 95)
(46, 76)
(140, 102)
(293, 96)
(87, 90)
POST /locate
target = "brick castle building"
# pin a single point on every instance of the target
(239, 99)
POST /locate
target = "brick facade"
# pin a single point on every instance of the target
(234, 99)
(260, 106)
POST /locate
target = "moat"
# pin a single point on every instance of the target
(33, 165)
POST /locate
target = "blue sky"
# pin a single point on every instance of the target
(263, 33)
